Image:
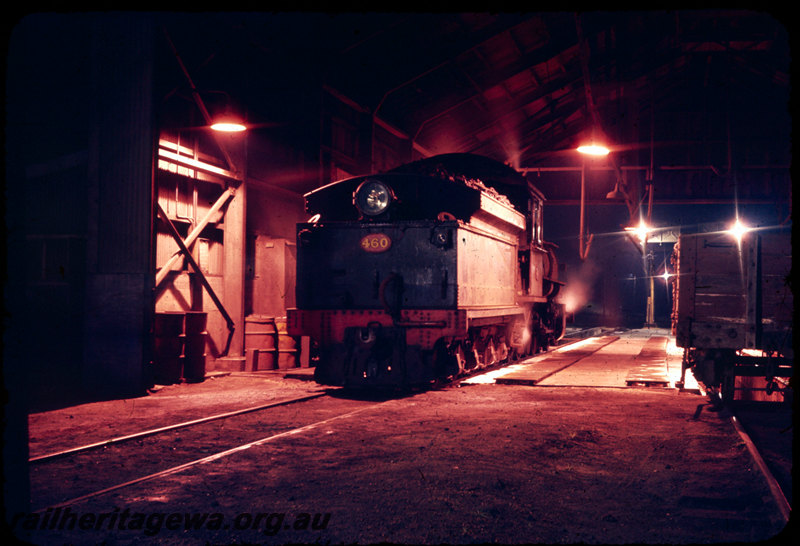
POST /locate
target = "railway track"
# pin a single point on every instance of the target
(168, 428)
(70, 476)
(748, 423)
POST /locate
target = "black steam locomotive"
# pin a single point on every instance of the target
(425, 272)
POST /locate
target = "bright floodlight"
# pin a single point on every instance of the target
(593, 149)
(738, 229)
(228, 127)
(641, 231)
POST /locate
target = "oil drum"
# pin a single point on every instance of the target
(194, 350)
(261, 340)
(168, 346)
(287, 346)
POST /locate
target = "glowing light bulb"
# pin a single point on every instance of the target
(228, 127)
(593, 149)
(641, 231)
(738, 229)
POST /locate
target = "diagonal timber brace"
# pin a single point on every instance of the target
(203, 280)
(164, 271)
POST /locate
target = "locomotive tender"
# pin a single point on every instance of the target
(425, 272)
(733, 312)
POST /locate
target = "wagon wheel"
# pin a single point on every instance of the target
(725, 370)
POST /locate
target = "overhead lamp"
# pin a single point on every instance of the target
(228, 124)
(593, 149)
(616, 193)
(228, 118)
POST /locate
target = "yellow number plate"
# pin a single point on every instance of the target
(376, 242)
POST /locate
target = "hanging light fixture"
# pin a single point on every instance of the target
(227, 119)
(593, 149)
(228, 123)
(228, 127)
(616, 193)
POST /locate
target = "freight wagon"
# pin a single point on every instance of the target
(733, 312)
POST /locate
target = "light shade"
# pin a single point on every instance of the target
(228, 126)
(616, 193)
(593, 149)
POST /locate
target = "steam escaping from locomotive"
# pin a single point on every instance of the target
(579, 290)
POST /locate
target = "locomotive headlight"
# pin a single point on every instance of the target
(372, 197)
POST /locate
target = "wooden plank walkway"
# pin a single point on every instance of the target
(650, 370)
(539, 370)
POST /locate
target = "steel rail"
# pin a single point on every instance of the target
(774, 487)
(185, 424)
(208, 459)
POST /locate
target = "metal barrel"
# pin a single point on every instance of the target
(287, 346)
(168, 346)
(194, 350)
(261, 343)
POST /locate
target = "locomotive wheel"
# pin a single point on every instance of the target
(516, 348)
(445, 363)
(534, 343)
(489, 354)
(476, 349)
(461, 358)
(477, 356)
(501, 351)
(467, 350)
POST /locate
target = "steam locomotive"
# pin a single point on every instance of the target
(425, 272)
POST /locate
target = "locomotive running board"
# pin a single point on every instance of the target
(420, 323)
(479, 317)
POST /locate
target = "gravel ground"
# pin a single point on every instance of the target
(474, 464)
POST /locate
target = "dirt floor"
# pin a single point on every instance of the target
(164, 405)
(474, 464)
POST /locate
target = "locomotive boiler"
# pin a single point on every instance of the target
(425, 272)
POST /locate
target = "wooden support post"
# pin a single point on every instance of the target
(234, 266)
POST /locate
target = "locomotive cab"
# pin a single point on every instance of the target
(406, 277)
